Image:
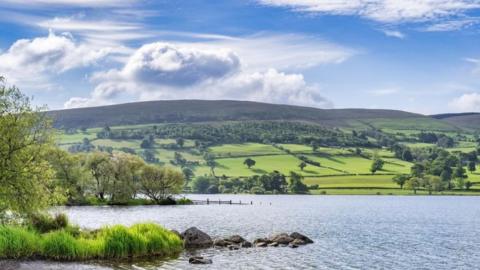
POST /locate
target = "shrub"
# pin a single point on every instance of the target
(44, 223)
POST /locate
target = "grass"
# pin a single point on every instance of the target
(388, 191)
(117, 242)
(245, 149)
(352, 181)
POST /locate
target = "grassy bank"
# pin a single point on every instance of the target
(389, 191)
(117, 242)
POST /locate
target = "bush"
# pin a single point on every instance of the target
(44, 223)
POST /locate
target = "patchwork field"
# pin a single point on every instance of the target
(340, 171)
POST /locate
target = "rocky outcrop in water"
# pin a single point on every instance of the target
(195, 238)
(199, 260)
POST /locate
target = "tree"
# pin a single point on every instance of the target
(459, 171)
(417, 170)
(180, 142)
(148, 155)
(25, 136)
(401, 179)
(296, 184)
(377, 165)
(432, 183)
(158, 184)
(70, 175)
(249, 162)
(314, 146)
(126, 173)
(201, 184)
(188, 174)
(302, 165)
(210, 161)
(472, 166)
(413, 184)
(101, 168)
(407, 155)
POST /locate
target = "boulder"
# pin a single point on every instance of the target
(261, 244)
(237, 239)
(221, 243)
(292, 245)
(233, 247)
(263, 240)
(298, 242)
(246, 244)
(302, 237)
(273, 244)
(195, 238)
(282, 239)
(199, 260)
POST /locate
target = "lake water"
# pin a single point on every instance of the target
(350, 232)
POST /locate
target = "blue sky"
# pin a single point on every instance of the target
(416, 55)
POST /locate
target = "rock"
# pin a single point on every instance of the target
(221, 243)
(177, 233)
(199, 260)
(302, 237)
(293, 246)
(298, 242)
(195, 238)
(282, 238)
(274, 244)
(261, 244)
(233, 247)
(237, 239)
(264, 240)
(246, 244)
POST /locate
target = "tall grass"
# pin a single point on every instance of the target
(115, 242)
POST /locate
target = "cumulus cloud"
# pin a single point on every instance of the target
(33, 58)
(385, 11)
(466, 103)
(73, 3)
(168, 71)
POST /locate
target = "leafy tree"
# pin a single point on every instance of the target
(201, 184)
(188, 174)
(459, 171)
(432, 183)
(413, 183)
(249, 162)
(472, 166)
(180, 142)
(296, 184)
(407, 155)
(149, 156)
(460, 183)
(70, 175)
(401, 179)
(377, 165)
(158, 184)
(468, 185)
(314, 146)
(25, 136)
(302, 165)
(210, 161)
(101, 168)
(417, 170)
(126, 173)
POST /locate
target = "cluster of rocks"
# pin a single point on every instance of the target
(194, 238)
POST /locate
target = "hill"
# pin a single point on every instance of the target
(191, 111)
(469, 121)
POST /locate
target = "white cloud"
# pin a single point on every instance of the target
(394, 33)
(386, 11)
(466, 103)
(33, 59)
(73, 3)
(168, 71)
(452, 25)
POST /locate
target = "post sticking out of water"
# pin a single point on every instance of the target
(208, 202)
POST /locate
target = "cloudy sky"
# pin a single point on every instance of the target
(415, 55)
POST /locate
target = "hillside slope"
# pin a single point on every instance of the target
(189, 111)
(469, 121)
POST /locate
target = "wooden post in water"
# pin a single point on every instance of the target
(208, 202)
(219, 202)
(230, 201)
(251, 202)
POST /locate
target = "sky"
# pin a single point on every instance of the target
(416, 55)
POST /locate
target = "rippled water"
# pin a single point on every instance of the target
(350, 232)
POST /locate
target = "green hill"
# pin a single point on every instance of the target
(191, 111)
(468, 121)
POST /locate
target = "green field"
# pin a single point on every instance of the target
(341, 170)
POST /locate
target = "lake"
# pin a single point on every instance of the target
(350, 232)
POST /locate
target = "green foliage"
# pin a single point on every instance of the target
(16, 243)
(111, 242)
(160, 183)
(249, 162)
(45, 223)
(296, 184)
(401, 179)
(25, 135)
(377, 165)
